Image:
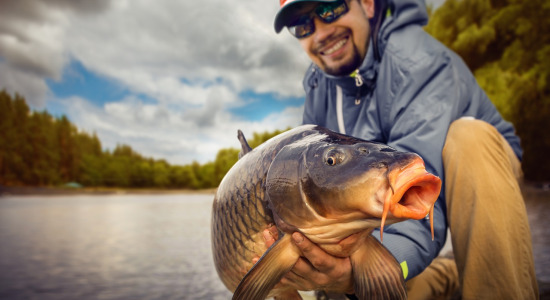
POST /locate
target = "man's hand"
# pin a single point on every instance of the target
(316, 269)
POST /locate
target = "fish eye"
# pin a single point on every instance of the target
(334, 157)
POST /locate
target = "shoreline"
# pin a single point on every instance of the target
(528, 189)
(43, 191)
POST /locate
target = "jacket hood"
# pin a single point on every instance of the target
(399, 13)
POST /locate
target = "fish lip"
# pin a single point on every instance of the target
(413, 194)
(415, 191)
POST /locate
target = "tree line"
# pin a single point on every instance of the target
(506, 43)
(37, 149)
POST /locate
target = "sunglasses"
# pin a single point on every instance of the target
(327, 12)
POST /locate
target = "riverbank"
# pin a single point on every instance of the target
(27, 190)
(536, 190)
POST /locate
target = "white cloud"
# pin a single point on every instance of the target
(158, 132)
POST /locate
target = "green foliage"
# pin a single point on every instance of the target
(506, 43)
(40, 150)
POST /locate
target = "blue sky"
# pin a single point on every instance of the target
(172, 79)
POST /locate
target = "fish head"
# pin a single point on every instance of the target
(314, 184)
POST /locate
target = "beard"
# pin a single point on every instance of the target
(344, 68)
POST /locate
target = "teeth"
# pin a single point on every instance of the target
(335, 47)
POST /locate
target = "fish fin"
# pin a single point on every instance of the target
(376, 272)
(245, 148)
(268, 271)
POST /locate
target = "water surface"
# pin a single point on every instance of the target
(107, 247)
(141, 246)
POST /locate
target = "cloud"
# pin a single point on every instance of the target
(32, 43)
(158, 132)
(197, 42)
(150, 46)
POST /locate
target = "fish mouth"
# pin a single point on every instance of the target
(412, 195)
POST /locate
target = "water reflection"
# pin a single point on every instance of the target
(107, 247)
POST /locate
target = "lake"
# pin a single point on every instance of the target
(137, 246)
(107, 247)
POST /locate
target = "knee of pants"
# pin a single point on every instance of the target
(472, 141)
(469, 137)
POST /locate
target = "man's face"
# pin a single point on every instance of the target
(339, 48)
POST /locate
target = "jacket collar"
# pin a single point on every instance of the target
(368, 71)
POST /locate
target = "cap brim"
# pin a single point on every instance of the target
(285, 14)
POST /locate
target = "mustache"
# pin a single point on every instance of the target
(327, 41)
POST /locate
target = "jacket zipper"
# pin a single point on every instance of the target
(340, 98)
(358, 83)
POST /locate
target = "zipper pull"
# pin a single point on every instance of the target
(358, 84)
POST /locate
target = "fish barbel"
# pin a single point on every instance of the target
(335, 190)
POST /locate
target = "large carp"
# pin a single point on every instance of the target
(334, 189)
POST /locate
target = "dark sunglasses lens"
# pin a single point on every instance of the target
(329, 12)
(302, 28)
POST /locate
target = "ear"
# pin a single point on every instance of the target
(368, 7)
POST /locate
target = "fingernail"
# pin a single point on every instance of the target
(297, 237)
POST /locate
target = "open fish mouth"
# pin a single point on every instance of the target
(413, 193)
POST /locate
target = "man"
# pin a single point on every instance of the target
(378, 76)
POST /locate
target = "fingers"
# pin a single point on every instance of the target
(319, 270)
(319, 259)
(316, 269)
(292, 279)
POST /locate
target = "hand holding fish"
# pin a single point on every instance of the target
(316, 269)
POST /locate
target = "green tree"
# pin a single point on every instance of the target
(91, 160)
(39, 149)
(184, 177)
(44, 160)
(68, 155)
(225, 159)
(161, 174)
(506, 43)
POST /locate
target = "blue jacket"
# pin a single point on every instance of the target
(406, 96)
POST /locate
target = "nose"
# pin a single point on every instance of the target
(322, 30)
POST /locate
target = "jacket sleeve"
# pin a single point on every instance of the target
(428, 92)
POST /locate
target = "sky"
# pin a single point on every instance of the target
(173, 79)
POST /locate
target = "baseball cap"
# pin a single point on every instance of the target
(285, 14)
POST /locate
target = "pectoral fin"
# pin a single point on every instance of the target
(268, 271)
(377, 273)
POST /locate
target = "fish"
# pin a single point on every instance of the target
(335, 190)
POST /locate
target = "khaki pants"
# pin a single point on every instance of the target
(487, 218)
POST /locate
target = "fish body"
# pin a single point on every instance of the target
(334, 189)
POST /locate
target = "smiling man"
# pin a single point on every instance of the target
(378, 76)
(344, 48)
